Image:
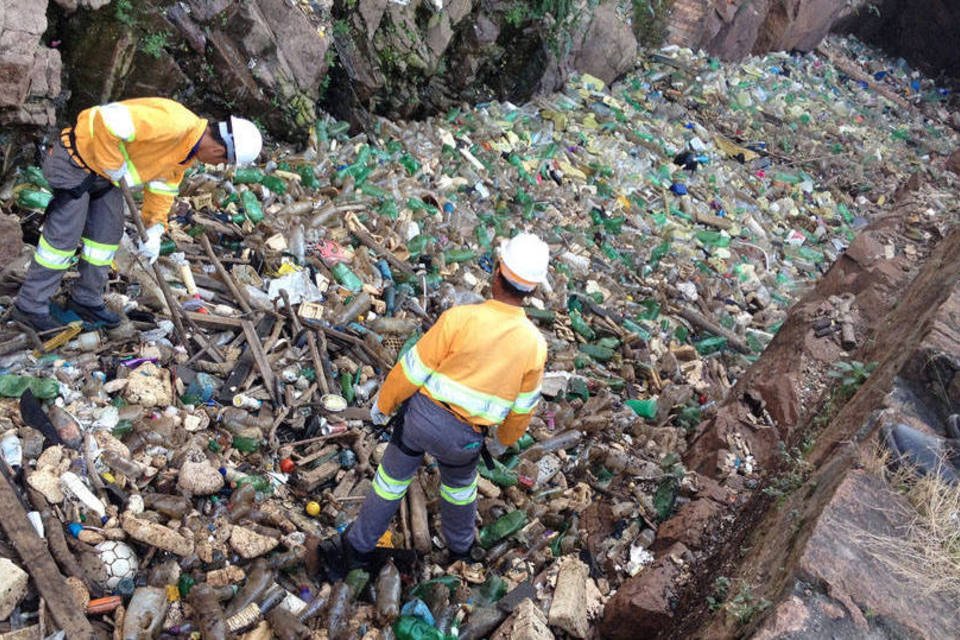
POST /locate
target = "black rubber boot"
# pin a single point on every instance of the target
(39, 322)
(95, 315)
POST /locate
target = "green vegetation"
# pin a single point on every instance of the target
(650, 21)
(123, 12)
(851, 374)
(341, 27)
(721, 587)
(153, 44)
(745, 605)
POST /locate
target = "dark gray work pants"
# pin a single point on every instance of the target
(85, 208)
(456, 447)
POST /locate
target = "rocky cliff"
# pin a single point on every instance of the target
(281, 60)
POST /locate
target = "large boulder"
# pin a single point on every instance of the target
(29, 71)
(259, 58)
(732, 29)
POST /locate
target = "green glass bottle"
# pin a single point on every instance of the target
(251, 206)
(347, 278)
(506, 525)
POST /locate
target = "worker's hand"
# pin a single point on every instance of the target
(377, 417)
(150, 248)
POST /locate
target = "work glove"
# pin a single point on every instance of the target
(150, 248)
(377, 417)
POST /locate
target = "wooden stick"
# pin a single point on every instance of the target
(321, 374)
(357, 229)
(694, 317)
(239, 294)
(175, 311)
(39, 563)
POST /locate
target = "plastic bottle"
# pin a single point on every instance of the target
(75, 486)
(563, 440)
(646, 408)
(388, 593)
(174, 507)
(146, 613)
(33, 199)
(347, 278)
(251, 207)
(338, 615)
(360, 304)
(13, 386)
(12, 450)
(67, 428)
(206, 606)
(260, 578)
(120, 464)
(410, 628)
(506, 525)
(247, 175)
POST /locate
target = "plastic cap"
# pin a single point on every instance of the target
(243, 140)
(524, 260)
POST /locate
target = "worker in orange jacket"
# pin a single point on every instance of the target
(145, 141)
(480, 365)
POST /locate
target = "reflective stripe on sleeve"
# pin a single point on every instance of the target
(118, 121)
(163, 188)
(50, 257)
(414, 368)
(526, 402)
(132, 176)
(389, 488)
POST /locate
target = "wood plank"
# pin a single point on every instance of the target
(40, 565)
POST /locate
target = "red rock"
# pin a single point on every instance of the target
(691, 525)
(643, 607)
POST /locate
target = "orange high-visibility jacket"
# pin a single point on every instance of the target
(483, 361)
(141, 141)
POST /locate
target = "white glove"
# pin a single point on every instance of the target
(150, 249)
(377, 417)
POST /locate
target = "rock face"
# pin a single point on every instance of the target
(732, 29)
(29, 71)
(262, 59)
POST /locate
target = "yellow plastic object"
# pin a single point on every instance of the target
(312, 508)
(71, 331)
(386, 540)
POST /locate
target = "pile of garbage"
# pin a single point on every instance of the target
(187, 469)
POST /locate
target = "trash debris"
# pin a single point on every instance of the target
(193, 470)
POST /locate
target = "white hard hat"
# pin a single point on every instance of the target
(243, 140)
(523, 261)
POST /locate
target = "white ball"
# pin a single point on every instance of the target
(119, 562)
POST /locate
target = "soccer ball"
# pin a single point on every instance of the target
(119, 562)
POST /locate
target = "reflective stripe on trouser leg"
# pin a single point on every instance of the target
(458, 505)
(62, 228)
(393, 476)
(97, 253)
(101, 236)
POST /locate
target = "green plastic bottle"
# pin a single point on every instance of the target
(410, 628)
(275, 184)
(245, 445)
(347, 278)
(33, 199)
(13, 386)
(505, 526)
(248, 175)
(251, 206)
(499, 475)
(451, 256)
(644, 408)
(580, 325)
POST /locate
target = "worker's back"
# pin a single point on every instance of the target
(489, 349)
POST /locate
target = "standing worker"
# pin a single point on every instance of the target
(480, 365)
(144, 141)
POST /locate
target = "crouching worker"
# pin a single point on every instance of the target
(145, 141)
(480, 365)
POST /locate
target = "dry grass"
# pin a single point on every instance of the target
(928, 554)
